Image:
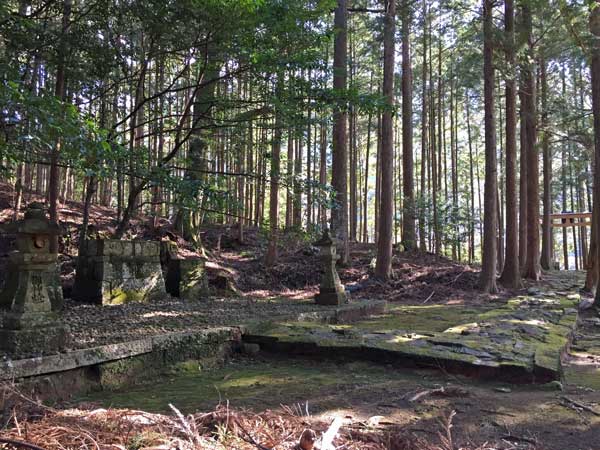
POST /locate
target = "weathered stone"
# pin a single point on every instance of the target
(331, 290)
(186, 278)
(29, 324)
(113, 272)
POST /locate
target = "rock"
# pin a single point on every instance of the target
(593, 321)
(554, 385)
(250, 349)
(585, 304)
(533, 291)
(307, 440)
(504, 390)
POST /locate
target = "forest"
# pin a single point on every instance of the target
(449, 147)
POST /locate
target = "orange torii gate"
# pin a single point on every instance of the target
(567, 220)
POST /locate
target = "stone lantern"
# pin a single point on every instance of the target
(28, 323)
(331, 290)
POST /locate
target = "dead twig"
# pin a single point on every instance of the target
(428, 298)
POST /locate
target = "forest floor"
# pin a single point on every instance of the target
(265, 401)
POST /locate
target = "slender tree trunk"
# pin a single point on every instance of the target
(289, 203)
(511, 275)
(472, 182)
(409, 238)
(339, 172)
(488, 267)
(532, 264)
(546, 258)
(60, 92)
(323, 171)
(297, 219)
(383, 266)
(272, 254)
(424, 141)
(365, 223)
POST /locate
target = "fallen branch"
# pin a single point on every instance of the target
(580, 405)
(509, 437)
(21, 444)
(418, 395)
(457, 277)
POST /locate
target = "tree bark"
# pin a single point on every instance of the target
(511, 275)
(271, 256)
(409, 238)
(546, 258)
(383, 264)
(424, 140)
(487, 280)
(532, 262)
(595, 71)
(60, 92)
(339, 170)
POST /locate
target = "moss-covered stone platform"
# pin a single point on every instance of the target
(142, 336)
(521, 340)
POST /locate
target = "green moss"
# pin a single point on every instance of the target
(528, 337)
(583, 376)
(245, 384)
(119, 296)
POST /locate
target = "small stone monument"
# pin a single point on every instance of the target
(28, 324)
(331, 290)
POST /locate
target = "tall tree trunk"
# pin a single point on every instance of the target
(532, 262)
(424, 141)
(511, 275)
(595, 70)
(271, 256)
(383, 265)
(487, 281)
(297, 219)
(409, 238)
(60, 92)
(365, 223)
(339, 171)
(322, 171)
(546, 258)
(472, 181)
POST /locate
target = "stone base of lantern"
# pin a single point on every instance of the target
(331, 297)
(34, 341)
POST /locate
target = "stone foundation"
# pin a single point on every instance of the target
(111, 271)
(35, 340)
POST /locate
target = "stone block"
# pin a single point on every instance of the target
(330, 298)
(37, 340)
(122, 271)
(110, 247)
(186, 278)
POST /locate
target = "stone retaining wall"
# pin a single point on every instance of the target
(111, 271)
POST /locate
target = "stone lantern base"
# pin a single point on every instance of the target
(331, 297)
(38, 340)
